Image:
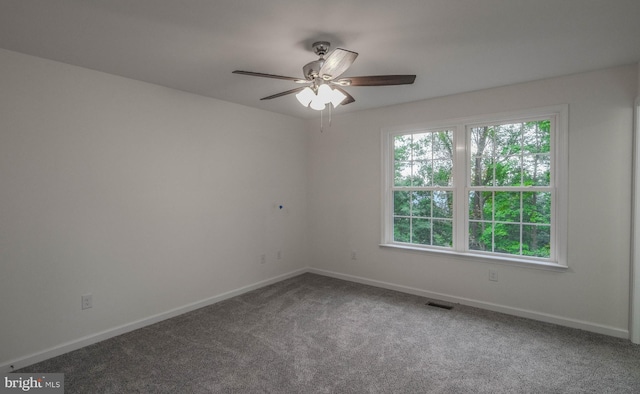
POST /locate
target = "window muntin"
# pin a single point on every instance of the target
(480, 187)
(503, 217)
(515, 223)
(422, 195)
(512, 154)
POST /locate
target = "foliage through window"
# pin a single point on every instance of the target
(482, 187)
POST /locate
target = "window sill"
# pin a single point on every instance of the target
(483, 258)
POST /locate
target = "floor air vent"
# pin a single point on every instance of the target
(438, 305)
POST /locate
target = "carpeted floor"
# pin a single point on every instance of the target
(313, 334)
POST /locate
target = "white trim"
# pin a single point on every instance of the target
(491, 258)
(634, 312)
(544, 317)
(386, 172)
(112, 332)
(460, 165)
(561, 183)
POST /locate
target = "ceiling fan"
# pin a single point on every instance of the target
(324, 84)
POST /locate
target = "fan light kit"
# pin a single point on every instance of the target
(319, 100)
(323, 85)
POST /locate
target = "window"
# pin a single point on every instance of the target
(422, 188)
(490, 187)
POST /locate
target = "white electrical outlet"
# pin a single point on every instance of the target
(353, 255)
(493, 275)
(279, 255)
(87, 301)
(263, 258)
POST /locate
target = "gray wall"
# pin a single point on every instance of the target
(149, 198)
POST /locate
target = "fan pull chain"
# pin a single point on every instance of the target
(321, 118)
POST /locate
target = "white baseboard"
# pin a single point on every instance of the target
(548, 318)
(101, 336)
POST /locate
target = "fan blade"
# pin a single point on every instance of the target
(296, 90)
(348, 100)
(337, 63)
(296, 80)
(377, 80)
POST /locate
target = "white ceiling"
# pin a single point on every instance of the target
(451, 45)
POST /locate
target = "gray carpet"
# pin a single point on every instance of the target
(313, 334)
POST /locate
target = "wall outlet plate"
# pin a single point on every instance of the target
(87, 301)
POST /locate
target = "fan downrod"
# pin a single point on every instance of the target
(311, 69)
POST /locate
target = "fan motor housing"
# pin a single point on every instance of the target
(311, 70)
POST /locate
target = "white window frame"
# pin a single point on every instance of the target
(461, 185)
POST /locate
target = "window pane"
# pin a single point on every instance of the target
(508, 139)
(401, 203)
(507, 238)
(480, 235)
(480, 205)
(421, 231)
(536, 207)
(402, 147)
(442, 172)
(507, 206)
(401, 229)
(402, 160)
(421, 173)
(442, 204)
(422, 146)
(536, 241)
(402, 173)
(481, 141)
(443, 145)
(536, 137)
(537, 170)
(481, 171)
(421, 204)
(508, 171)
(442, 232)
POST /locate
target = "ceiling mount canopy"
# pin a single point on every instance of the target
(324, 82)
